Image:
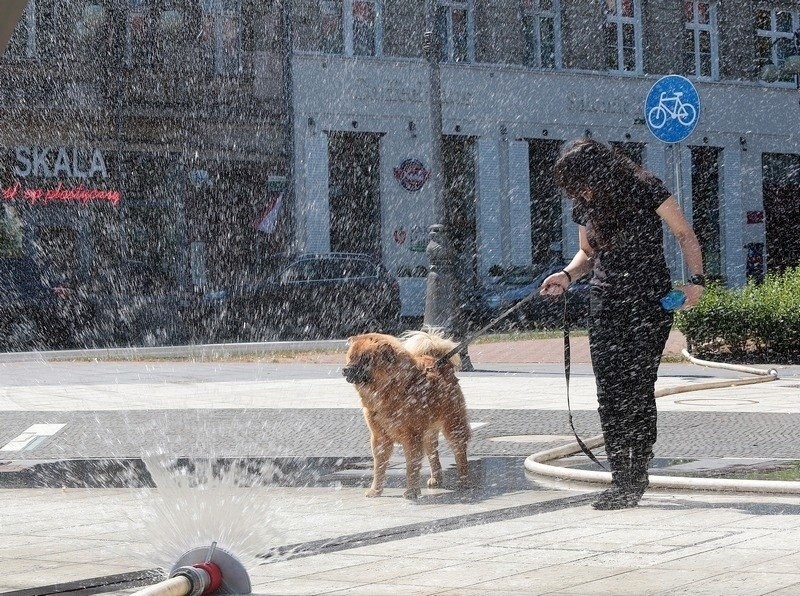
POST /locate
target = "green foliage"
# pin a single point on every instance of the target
(758, 321)
(10, 234)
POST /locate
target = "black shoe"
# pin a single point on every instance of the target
(638, 480)
(636, 489)
(615, 497)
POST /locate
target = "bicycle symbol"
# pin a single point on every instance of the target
(671, 107)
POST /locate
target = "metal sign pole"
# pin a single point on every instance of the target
(676, 155)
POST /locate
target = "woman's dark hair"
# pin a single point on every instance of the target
(611, 176)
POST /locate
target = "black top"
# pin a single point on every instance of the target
(633, 262)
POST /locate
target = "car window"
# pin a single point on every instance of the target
(332, 269)
(359, 268)
(305, 270)
(346, 268)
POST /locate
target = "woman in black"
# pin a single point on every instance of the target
(619, 209)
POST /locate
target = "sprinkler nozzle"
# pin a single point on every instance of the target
(204, 578)
(224, 571)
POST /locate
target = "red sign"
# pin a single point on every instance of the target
(59, 194)
(411, 174)
(755, 217)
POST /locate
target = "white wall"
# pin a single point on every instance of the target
(384, 95)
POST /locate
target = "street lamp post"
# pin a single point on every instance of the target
(438, 295)
(441, 310)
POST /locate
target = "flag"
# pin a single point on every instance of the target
(269, 217)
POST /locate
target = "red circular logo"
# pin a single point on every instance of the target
(411, 174)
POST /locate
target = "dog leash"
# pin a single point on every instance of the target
(472, 337)
(567, 358)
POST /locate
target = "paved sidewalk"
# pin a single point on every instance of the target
(526, 542)
(523, 537)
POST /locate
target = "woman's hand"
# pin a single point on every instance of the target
(555, 284)
(692, 293)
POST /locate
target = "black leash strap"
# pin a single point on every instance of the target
(581, 444)
(470, 338)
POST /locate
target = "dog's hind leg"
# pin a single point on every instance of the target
(431, 446)
(412, 446)
(382, 447)
(457, 435)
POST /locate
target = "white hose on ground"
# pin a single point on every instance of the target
(536, 463)
(737, 367)
(174, 586)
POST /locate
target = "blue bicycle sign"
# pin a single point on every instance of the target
(672, 108)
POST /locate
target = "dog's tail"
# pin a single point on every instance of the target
(429, 342)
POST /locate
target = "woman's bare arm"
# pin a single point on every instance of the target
(579, 266)
(672, 215)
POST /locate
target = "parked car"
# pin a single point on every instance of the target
(317, 296)
(542, 311)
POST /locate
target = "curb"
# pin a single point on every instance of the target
(191, 351)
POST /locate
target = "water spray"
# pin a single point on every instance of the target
(203, 571)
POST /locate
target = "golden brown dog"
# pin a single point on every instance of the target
(407, 399)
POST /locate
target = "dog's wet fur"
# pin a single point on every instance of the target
(408, 398)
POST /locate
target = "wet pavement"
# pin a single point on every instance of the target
(78, 503)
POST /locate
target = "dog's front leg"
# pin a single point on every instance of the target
(412, 447)
(382, 447)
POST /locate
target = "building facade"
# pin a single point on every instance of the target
(519, 78)
(142, 141)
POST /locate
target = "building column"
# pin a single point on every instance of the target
(731, 216)
(660, 160)
(487, 208)
(314, 212)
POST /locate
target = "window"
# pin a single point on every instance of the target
(454, 23)
(82, 29)
(306, 270)
(151, 241)
(355, 268)
(138, 33)
(700, 51)
(351, 27)
(777, 37)
(221, 34)
(331, 23)
(623, 32)
(542, 22)
(23, 40)
(151, 257)
(364, 40)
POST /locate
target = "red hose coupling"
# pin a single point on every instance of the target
(214, 576)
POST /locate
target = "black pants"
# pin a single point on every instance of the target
(626, 338)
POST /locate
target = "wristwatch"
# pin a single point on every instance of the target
(698, 280)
